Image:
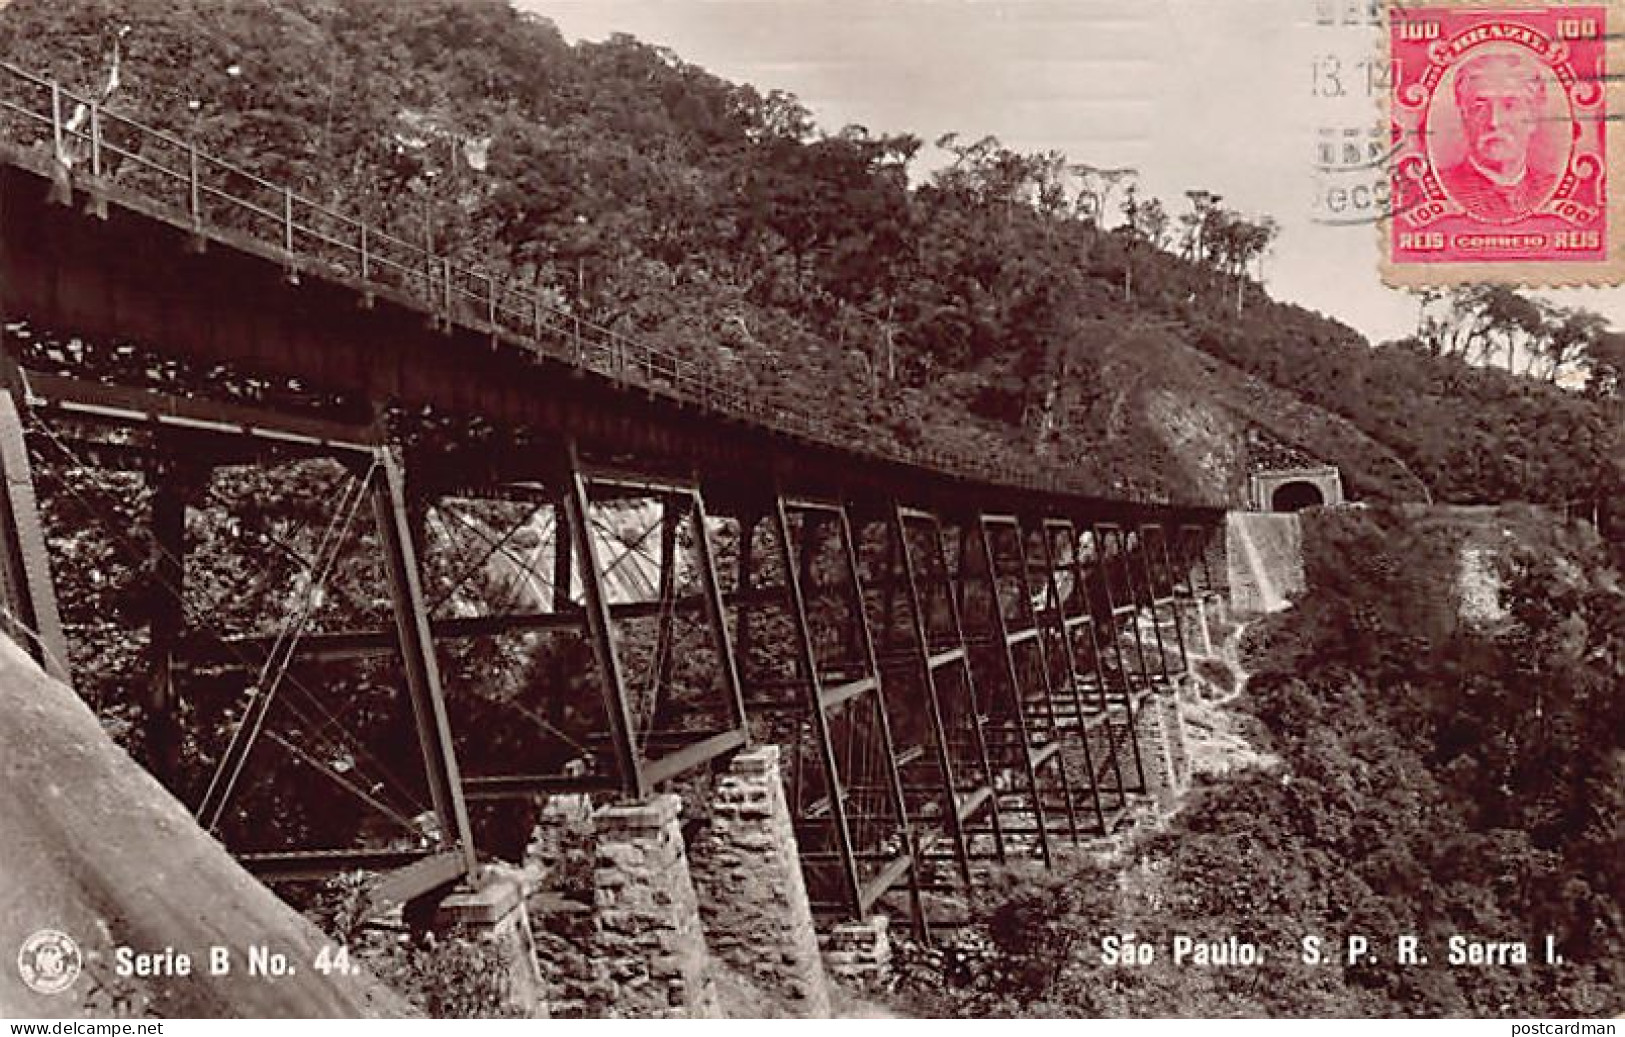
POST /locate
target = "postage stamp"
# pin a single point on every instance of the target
(1504, 124)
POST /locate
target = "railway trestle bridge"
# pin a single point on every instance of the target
(952, 657)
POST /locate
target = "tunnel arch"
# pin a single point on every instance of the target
(1296, 495)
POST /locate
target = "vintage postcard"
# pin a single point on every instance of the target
(812, 509)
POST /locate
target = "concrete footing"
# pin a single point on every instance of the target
(752, 896)
(1173, 728)
(495, 912)
(859, 953)
(648, 920)
(1160, 725)
(659, 912)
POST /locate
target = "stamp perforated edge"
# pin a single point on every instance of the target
(1530, 273)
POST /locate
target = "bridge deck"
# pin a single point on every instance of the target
(582, 416)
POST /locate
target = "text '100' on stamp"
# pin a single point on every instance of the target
(1505, 123)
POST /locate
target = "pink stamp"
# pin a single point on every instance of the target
(1499, 118)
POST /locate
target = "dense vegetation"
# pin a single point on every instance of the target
(988, 306)
(1437, 778)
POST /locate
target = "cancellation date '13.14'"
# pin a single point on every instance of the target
(1127, 950)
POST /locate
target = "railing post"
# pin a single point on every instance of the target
(193, 188)
(366, 255)
(577, 318)
(95, 140)
(445, 274)
(429, 263)
(287, 221)
(536, 315)
(491, 299)
(56, 123)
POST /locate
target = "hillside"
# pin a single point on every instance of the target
(1191, 416)
(1426, 760)
(976, 311)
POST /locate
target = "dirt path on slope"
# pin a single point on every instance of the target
(1219, 739)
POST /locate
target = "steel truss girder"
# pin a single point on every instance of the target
(928, 662)
(639, 776)
(858, 894)
(124, 405)
(1132, 689)
(395, 530)
(385, 484)
(1062, 631)
(1143, 588)
(415, 634)
(975, 539)
(1111, 541)
(200, 425)
(1156, 551)
(216, 325)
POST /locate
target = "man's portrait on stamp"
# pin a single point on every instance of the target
(1501, 143)
(1500, 134)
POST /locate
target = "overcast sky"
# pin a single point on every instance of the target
(1215, 94)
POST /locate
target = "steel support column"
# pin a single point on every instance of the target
(561, 558)
(616, 706)
(1062, 631)
(166, 619)
(1018, 708)
(742, 586)
(956, 652)
(860, 621)
(928, 679)
(1149, 602)
(1172, 577)
(1029, 616)
(666, 618)
(1113, 613)
(807, 661)
(1087, 618)
(717, 615)
(417, 654)
(1114, 552)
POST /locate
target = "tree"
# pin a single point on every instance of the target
(1605, 365)
(1568, 334)
(1198, 224)
(1483, 321)
(1095, 188)
(1151, 223)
